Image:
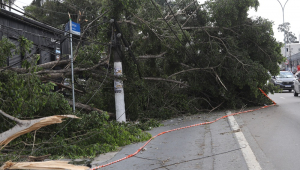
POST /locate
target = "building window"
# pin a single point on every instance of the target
(287, 50)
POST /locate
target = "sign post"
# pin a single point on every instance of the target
(75, 29)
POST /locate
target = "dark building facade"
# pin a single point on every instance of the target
(49, 42)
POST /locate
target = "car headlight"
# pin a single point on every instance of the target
(278, 81)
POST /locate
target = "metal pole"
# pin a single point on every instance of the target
(282, 7)
(73, 94)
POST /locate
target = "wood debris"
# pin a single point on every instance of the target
(47, 165)
(26, 126)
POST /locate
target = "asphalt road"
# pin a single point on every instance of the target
(272, 134)
(203, 147)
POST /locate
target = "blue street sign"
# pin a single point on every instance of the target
(75, 28)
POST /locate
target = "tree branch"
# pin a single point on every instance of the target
(44, 66)
(89, 108)
(127, 21)
(193, 69)
(20, 122)
(152, 56)
(26, 126)
(162, 79)
(67, 87)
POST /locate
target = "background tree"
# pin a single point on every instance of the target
(289, 36)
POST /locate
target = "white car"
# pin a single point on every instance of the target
(297, 84)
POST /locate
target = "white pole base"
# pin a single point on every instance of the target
(119, 93)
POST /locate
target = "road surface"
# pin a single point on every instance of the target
(271, 134)
(275, 131)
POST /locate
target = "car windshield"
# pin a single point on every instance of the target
(285, 75)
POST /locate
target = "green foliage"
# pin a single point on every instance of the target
(25, 96)
(5, 50)
(89, 136)
(25, 45)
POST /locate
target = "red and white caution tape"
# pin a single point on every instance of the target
(199, 124)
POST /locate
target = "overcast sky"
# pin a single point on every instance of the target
(269, 9)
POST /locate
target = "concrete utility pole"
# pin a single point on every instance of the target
(118, 83)
(282, 7)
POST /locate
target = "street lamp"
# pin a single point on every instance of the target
(282, 7)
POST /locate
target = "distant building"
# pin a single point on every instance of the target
(49, 42)
(292, 54)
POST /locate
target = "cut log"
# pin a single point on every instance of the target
(26, 126)
(47, 165)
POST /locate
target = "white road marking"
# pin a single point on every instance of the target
(282, 97)
(248, 154)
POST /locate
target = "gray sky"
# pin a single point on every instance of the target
(269, 9)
